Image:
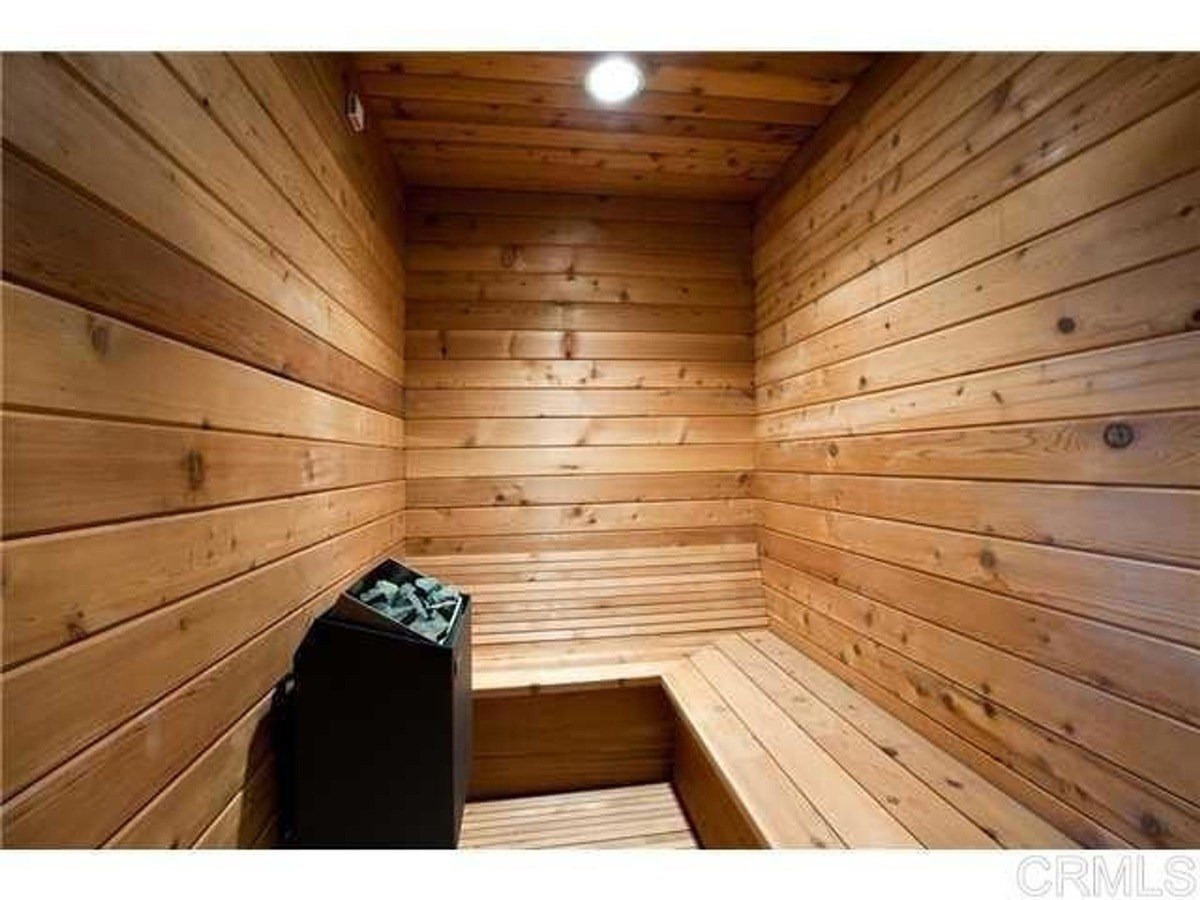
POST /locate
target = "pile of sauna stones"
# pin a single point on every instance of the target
(425, 605)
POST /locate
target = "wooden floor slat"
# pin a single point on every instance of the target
(627, 817)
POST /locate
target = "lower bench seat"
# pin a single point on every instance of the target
(806, 760)
(590, 663)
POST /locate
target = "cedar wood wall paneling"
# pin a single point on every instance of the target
(580, 412)
(991, 268)
(203, 426)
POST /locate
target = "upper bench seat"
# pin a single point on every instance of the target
(553, 596)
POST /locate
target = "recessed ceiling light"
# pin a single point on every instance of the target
(614, 79)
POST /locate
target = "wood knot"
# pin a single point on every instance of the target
(194, 464)
(508, 255)
(1066, 325)
(832, 450)
(98, 336)
(987, 559)
(1150, 825)
(1001, 94)
(1118, 435)
(76, 630)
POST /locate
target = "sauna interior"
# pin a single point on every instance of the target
(816, 434)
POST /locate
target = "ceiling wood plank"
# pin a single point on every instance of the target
(663, 74)
(586, 120)
(478, 90)
(574, 138)
(451, 153)
(539, 177)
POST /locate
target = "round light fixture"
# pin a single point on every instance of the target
(614, 79)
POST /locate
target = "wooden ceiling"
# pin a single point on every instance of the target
(708, 125)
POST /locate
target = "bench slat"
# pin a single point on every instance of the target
(926, 814)
(857, 818)
(783, 816)
(1012, 824)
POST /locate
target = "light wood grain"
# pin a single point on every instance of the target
(643, 816)
(581, 414)
(707, 125)
(203, 431)
(976, 360)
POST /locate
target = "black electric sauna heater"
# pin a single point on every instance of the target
(382, 717)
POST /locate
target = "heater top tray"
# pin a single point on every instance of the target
(394, 598)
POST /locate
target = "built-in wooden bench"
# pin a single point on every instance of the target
(771, 749)
(588, 631)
